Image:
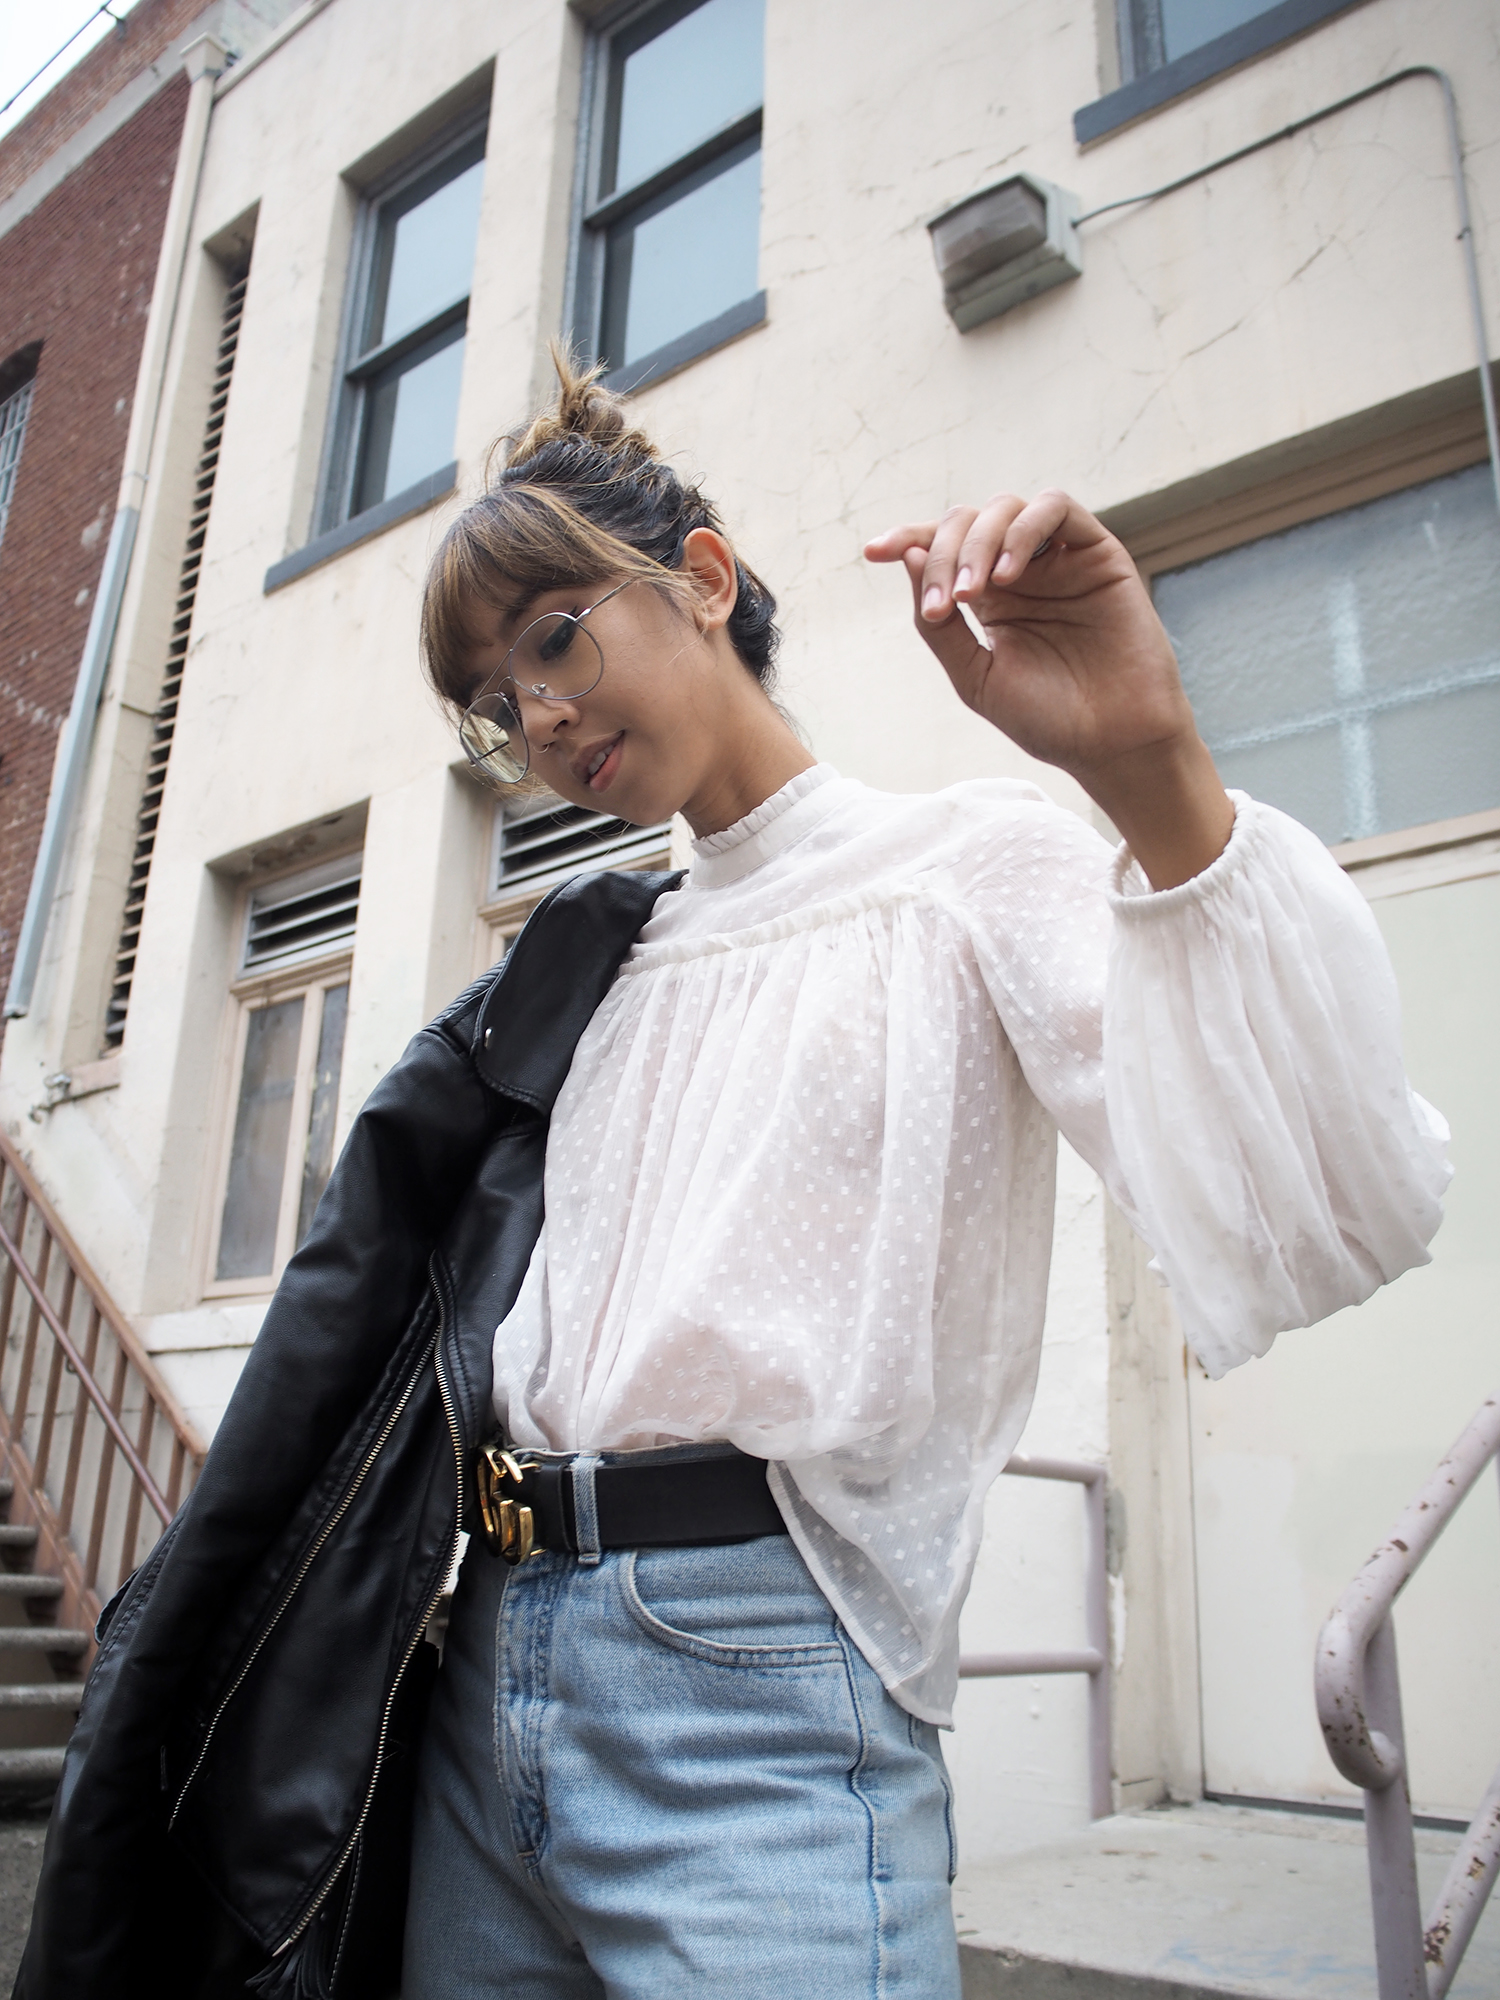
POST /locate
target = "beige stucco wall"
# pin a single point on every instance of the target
(1315, 281)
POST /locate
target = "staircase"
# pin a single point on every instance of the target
(41, 1664)
(95, 1457)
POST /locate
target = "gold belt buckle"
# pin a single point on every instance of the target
(509, 1528)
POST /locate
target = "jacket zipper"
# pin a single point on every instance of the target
(308, 1560)
(456, 1437)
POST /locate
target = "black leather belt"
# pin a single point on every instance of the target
(689, 1497)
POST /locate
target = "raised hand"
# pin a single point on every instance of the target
(1075, 666)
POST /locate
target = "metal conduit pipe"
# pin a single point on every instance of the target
(204, 60)
(1461, 196)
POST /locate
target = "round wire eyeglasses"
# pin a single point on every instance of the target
(556, 658)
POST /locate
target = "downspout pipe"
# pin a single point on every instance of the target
(204, 60)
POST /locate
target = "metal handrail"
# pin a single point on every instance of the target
(1359, 1707)
(102, 1405)
(1092, 1659)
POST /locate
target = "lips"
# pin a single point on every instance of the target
(596, 768)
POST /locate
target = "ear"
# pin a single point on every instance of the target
(708, 562)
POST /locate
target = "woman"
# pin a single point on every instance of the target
(798, 1205)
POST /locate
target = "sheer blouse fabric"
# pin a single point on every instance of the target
(799, 1181)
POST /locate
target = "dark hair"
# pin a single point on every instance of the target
(582, 495)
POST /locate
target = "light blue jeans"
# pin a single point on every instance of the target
(672, 1773)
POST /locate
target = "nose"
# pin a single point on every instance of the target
(545, 722)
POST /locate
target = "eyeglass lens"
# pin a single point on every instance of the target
(556, 657)
(493, 738)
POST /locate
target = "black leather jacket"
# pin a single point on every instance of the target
(236, 1798)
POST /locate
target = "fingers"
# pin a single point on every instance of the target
(950, 637)
(894, 543)
(972, 549)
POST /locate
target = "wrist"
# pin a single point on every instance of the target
(1170, 807)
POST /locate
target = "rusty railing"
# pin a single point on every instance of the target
(98, 1450)
(1359, 1706)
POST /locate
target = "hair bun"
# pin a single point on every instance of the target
(584, 410)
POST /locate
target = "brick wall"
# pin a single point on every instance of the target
(76, 274)
(144, 34)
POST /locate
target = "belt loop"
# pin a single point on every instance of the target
(585, 1506)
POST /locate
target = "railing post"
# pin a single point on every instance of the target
(1101, 1756)
(1392, 1850)
(1092, 1659)
(1359, 1708)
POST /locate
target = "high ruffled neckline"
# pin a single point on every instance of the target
(769, 829)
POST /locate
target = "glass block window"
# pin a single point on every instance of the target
(405, 348)
(14, 410)
(1348, 670)
(670, 250)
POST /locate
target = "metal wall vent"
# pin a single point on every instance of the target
(164, 722)
(303, 916)
(546, 843)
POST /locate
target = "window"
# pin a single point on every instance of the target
(292, 999)
(1347, 670)
(541, 842)
(1167, 47)
(15, 408)
(669, 256)
(1156, 32)
(405, 347)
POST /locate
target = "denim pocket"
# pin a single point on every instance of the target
(748, 1604)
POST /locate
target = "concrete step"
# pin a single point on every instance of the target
(16, 1538)
(26, 1583)
(41, 1694)
(29, 1767)
(1203, 1902)
(44, 1638)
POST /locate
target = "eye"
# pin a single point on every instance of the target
(558, 640)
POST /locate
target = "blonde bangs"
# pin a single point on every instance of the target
(502, 551)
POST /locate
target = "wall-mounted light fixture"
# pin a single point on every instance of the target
(1003, 246)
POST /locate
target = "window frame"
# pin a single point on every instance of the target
(250, 996)
(595, 216)
(295, 974)
(17, 382)
(1161, 536)
(1142, 90)
(336, 525)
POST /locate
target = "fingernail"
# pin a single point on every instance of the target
(1006, 563)
(933, 599)
(965, 578)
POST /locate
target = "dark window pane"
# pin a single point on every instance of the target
(410, 417)
(318, 1160)
(424, 255)
(1188, 24)
(1349, 670)
(13, 414)
(686, 82)
(684, 260)
(262, 1126)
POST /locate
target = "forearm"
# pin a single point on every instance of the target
(1169, 804)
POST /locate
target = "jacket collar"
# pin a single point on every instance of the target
(555, 976)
